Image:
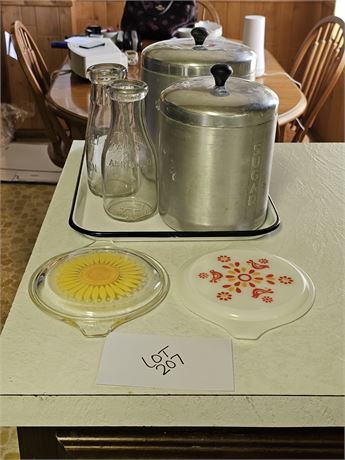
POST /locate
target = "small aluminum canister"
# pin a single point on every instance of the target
(215, 152)
(167, 62)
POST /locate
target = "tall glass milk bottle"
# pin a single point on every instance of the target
(128, 161)
(100, 75)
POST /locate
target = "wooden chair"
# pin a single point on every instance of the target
(318, 65)
(207, 12)
(37, 74)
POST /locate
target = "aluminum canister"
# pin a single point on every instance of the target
(215, 152)
(170, 61)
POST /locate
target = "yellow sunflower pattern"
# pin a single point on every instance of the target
(99, 276)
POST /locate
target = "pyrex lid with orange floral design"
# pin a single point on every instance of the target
(99, 287)
(246, 292)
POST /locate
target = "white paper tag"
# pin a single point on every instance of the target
(188, 363)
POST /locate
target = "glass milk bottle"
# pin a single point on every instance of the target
(128, 160)
(99, 117)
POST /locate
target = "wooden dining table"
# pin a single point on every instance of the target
(70, 94)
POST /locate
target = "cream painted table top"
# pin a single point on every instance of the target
(291, 376)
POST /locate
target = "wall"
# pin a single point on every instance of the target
(107, 13)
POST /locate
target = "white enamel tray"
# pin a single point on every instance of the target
(89, 218)
(246, 292)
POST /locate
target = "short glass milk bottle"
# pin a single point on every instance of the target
(128, 161)
(99, 117)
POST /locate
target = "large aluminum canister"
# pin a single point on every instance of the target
(170, 61)
(215, 152)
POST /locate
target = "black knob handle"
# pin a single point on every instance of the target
(199, 34)
(221, 72)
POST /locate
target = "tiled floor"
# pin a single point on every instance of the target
(23, 207)
(9, 444)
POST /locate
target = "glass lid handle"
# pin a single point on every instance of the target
(199, 34)
(221, 72)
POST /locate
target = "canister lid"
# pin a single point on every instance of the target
(219, 101)
(192, 57)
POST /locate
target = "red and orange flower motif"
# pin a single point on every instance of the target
(224, 295)
(248, 275)
(267, 299)
(241, 277)
(223, 258)
(285, 280)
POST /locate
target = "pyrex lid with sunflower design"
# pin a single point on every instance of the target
(99, 287)
(246, 292)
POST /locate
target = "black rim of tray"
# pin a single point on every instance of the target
(166, 233)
